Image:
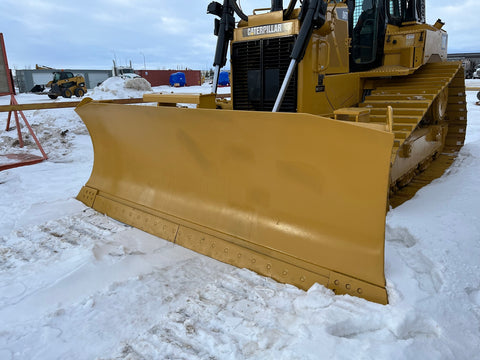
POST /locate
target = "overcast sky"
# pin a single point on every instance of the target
(158, 34)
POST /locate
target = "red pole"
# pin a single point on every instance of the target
(9, 117)
(14, 101)
(8, 121)
(19, 132)
(32, 133)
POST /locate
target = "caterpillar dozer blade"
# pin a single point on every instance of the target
(297, 197)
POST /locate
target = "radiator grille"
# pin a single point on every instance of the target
(258, 69)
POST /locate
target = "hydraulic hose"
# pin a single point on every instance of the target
(277, 5)
(239, 11)
(290, 8)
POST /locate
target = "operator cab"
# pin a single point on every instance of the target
(368, 21)
(57, 76)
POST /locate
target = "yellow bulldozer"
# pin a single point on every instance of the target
(339, 109)
(65, 84)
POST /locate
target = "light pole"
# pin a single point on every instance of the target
(144, 64)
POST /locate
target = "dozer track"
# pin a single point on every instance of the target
(413, 99)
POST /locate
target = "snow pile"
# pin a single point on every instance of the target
(120, 88)
(76, 284)
(138, 83)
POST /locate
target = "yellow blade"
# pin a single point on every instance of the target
(297, 197)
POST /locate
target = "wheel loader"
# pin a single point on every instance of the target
(339, 110)
(65, 84)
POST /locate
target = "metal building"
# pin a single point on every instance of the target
(27, 79)
(470, 61)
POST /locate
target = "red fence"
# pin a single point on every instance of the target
(162, 77)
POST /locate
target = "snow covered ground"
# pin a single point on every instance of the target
(77, 285)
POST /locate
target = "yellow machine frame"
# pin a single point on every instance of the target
(299, 197)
